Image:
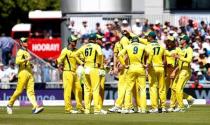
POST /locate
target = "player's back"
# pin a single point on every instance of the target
(90, 53)
(157, 51)
(124, 42)
(171, 60)
(136, 53)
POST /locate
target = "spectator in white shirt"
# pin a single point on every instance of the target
(72, 28)
(1, 71)
(125, 26)
(3, 77)
(12, 72)
(108, 52)
(84, 29)
(137, 27)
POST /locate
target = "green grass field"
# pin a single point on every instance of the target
(196, 115)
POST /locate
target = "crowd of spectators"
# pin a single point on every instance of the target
(199, 33)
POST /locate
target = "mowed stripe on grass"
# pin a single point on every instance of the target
(196, 115)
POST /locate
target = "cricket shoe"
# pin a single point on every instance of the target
(171, 109)
(164, 110)
(127, 111)
(141, 111)
(87, 111)
(179, 110)
(101, 112)
(9, 109)
(115, 109)
(80, 111)
(153, 111)
(37, 110)
(190, 102)
(72, 112)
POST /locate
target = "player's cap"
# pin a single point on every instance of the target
(124, 22)
(23, 40)
(135, 39)
(85, 36)
(185, 37)
(92, 36)
(152, 34)
(72, 38)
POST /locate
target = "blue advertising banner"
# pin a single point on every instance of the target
(110, 93)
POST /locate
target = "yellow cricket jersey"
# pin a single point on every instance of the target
(68, 59)
(23, 54)
(135, 52)
(156, 53)
(144, 41)
(92, 54)
(117, 48)
(120, 45)
(185, 59)
(171, 60)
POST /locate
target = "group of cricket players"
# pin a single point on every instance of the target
(136, 59)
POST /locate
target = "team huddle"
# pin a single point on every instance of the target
(135, 60)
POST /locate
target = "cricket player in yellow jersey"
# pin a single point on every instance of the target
(135, 73)
(25, 78)
(184, 56)
(70, 79)
(171, 64)
(102, 72)
(171, 72)
(121, 71)
(91, 52)
(156, 74)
